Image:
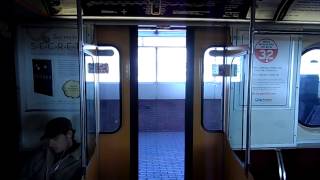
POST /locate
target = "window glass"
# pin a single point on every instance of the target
(309, 91)
(211, 64)
(212, 92)
(90, 111)
(310, 62)
(107, 65)
(212, 80)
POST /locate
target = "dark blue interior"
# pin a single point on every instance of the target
(309, 102)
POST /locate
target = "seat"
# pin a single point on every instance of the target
(301, 163)
(264, 164)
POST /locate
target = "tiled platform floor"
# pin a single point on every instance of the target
(161, 155)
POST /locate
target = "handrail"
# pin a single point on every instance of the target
(282, 171)
(184, 19)
(283, 167)
(249, 94)
(82, 85)
(287, 32)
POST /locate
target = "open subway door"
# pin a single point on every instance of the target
(115, 155)
(208, 153)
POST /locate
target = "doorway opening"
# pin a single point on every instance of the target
(161, 85)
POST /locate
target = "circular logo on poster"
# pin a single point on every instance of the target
(266, 50)
(71, 89)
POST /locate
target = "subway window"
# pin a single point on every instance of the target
(212, 91)
(217, 64)
(213, 61)
(104, 68)
(155, 60)
(309, 92)
(106, 64)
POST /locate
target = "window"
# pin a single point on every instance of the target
(310, 62)
(106, 64)
(213, 67)
(103, 65)
(309, 92)
(211, 63)
(160, 52)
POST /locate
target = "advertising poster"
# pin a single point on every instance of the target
(270, 78)
(271, 63)
(50, 69)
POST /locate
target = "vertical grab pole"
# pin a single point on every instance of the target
(82, 86)
(225, 94)
(249, 95)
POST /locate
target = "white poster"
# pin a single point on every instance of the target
(50, 68)
(270, 77)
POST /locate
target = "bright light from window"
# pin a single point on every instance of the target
(162, 41)
(211, 62)
(147, 64)
(162, 38)
(114, 69)
(310, 62)
(89, 59)
(113, 64)
(172, 64)
(161, 56)
(208, 62)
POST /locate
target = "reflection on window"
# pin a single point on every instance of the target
(211, 65)
(107, 66)
(310, 62)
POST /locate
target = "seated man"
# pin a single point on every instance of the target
(60, 159)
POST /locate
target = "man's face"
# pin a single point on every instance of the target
(59, 143)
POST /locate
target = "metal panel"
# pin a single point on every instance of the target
(211, 155)
(114, 150)
(167, 8)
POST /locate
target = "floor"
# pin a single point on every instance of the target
(161, 155)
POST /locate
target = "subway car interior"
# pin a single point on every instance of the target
(161, 89)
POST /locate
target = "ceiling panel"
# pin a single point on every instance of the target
(68, 7)
(25, 8)
(265, 9)
(304, 10)
(167, 8)
(299, 10)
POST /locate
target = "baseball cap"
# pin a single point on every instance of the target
(56, 126)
